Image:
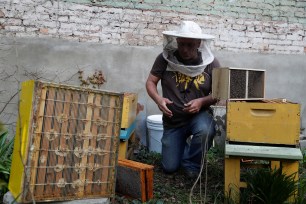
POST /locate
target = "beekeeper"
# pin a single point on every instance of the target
(185, 71)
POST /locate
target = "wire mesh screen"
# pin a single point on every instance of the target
(73, 144)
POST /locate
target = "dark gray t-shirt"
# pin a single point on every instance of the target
(181, 89)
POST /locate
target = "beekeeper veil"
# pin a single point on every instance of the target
(187, 29)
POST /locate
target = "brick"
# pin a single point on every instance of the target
(294, 37)
(15, 28)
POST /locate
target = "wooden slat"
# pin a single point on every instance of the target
(86, 141)
(263, 152)
(232, 178)
(36, 143)
(44, 146)
(62, 143)
(55, 126)
(93, 141)
(69, 174)
(106, 159)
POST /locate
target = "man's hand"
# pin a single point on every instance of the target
(193, 106)
(162, 105)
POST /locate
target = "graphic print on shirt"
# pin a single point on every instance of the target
(184, 82)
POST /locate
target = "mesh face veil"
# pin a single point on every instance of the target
(170, 46)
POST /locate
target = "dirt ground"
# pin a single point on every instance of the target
(178, 188)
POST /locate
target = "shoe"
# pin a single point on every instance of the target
(192, 174)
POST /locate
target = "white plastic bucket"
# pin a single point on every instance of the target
(155, 132)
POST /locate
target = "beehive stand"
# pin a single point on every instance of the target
(265, 130)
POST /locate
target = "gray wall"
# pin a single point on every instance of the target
(126, 69)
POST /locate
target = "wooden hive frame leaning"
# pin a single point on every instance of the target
(134, 179)
(66, 143)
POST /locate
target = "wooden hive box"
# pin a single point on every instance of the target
(264, 122)
(230, 83)
(66, 143)
(134, 179)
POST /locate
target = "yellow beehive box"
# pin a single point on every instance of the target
(229, 83)
(265, 121)
(129, 109)
(66, 143)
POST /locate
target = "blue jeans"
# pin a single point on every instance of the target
(176, 151)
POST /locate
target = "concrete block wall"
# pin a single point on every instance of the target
(262, 26)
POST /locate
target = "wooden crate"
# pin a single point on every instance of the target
(66, 143)
(230, 83)
(266, 122)
(135, 180)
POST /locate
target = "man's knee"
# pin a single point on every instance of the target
(170, 168)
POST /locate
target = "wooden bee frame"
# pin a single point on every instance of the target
(229, 83)
(66, 143)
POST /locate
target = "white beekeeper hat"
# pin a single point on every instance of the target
(187, 29)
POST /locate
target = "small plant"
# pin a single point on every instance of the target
(301, 196)
(269, 186)
(6, 147)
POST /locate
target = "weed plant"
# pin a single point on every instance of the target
(6, 148)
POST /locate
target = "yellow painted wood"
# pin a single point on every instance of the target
(275, 164)
(129, 110)
(263, 122)
(290, 168)
(232, 177)
(21, 143)
(123, 146)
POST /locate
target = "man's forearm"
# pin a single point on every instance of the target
(152, 91)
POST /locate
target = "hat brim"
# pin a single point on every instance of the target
(189, 35)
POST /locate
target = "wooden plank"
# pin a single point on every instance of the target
(93, 142)
(149, 184)
(115, 143)
(105, 189)
(85, 146)
(271, 152)
(275, 164)
(220, 83)
(66, 97)
(100, 143)
(123, 146)
(232, 178)
(44, 146)
(53, 142)
(289, 168)
(70, 175)
(36, 143)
